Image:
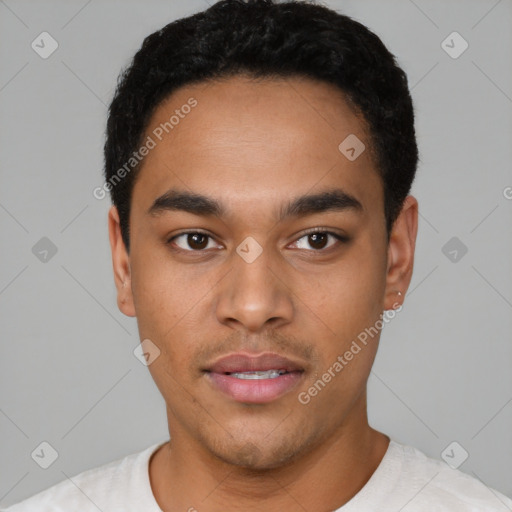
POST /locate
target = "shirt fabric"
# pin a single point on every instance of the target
(406, 480)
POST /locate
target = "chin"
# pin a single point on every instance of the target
(261, 455)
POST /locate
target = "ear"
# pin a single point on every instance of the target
(121, 264)
(401, 248)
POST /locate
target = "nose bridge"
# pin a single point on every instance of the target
(252, 293)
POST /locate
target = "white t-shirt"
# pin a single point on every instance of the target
(406, 480)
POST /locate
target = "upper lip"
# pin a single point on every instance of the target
(243, 362)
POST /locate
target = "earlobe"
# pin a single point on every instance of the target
(401, 249)
(120, 264)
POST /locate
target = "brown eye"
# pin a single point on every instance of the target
(197, 241)
(319, 240)
(192, 241)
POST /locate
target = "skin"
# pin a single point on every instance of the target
(253, 146)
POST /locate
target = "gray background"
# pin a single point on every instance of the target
(68, 375)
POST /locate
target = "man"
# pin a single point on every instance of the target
(259, 157)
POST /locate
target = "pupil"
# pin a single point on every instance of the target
(318, 240)
(197, 241)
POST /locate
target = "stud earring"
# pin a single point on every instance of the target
(398, 304)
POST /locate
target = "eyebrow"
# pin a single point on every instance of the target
(198, 204)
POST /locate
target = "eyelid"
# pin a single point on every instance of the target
(191, 232)
(327, 231)
(341, 238)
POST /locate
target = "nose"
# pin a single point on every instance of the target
(253, 296)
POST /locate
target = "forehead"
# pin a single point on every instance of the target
(256, 141)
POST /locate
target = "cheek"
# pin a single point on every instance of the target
(347, 300)
(173, 308)
(158, 307)
(349, 295)
(162, 295)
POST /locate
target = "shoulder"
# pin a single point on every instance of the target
(437, 486)
(105, 487)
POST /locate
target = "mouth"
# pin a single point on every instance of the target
(258, 375)
(254, 379)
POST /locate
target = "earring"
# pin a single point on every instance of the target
(396, 304)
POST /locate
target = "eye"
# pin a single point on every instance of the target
(319, 240)
(192, 241)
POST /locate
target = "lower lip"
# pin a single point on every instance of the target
(255, 391)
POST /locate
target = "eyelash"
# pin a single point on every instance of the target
(340, 238)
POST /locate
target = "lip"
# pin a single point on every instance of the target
(257, 391)
(243, 362)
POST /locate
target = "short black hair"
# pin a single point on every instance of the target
(266, 39)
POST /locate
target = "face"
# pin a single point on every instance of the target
(258, 255)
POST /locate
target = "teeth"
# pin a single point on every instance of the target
(268, 374)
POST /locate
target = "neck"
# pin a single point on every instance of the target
(185, 477)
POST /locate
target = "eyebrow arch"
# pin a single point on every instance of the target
(326, 201)
(177, 200)
(197, 204)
